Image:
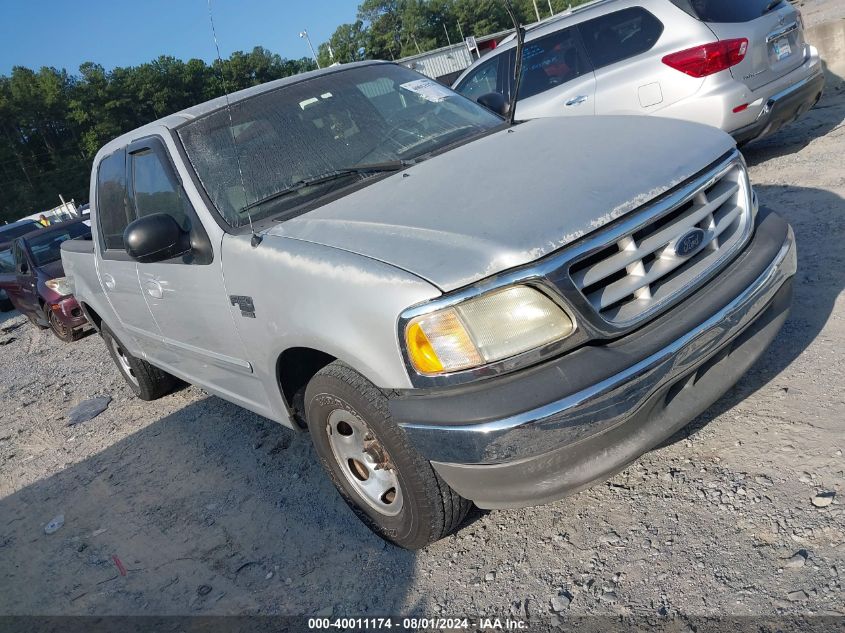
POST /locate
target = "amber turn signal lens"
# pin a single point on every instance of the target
(421, 352)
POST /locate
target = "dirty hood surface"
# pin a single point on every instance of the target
(511, 197)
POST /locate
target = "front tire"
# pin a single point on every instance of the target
(62, 332)
(146, 381)
(383, 479)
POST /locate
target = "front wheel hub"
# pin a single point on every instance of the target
(364, 462)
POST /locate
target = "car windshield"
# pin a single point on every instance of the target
(46, 248)
(296, 144)
(9, 233)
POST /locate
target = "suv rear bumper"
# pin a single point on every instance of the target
(565, 428)
(783, 108)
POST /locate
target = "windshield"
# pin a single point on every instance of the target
(289, 139)
(8, 233)
(46, 248)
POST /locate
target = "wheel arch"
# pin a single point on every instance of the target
(93, 318)
(295, 367)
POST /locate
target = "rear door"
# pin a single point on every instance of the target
(775, 36)
(630, 78)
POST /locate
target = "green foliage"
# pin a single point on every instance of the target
(391, 29)
(52, 123)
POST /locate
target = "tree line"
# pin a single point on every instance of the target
(392, 29)
(52, 122)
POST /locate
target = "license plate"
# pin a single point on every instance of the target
(782, 49)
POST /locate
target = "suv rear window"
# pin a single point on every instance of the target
(728, 11)
(620, 35)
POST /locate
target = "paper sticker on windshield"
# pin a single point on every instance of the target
(428, 89)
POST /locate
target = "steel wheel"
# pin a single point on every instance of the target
(364, 462)
(123, 361)
(59, 328)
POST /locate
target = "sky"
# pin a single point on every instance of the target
(112, 33)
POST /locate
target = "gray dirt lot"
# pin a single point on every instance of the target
(213, 510)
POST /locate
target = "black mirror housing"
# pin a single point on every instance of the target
(155, 238)
(494, 101)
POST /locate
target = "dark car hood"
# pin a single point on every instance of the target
(512, 197)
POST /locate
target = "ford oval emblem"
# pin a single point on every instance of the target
(689, 242)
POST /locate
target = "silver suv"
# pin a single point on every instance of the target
(743, 66)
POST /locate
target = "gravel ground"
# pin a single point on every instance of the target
(210, 509)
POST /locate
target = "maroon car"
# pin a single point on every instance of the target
(31, 273)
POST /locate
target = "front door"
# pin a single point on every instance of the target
(186, 295)
(25, 287)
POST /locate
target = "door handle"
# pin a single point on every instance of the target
(574, 101)
(153, 288)
(108, 281)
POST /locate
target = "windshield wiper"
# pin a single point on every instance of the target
(343, 172)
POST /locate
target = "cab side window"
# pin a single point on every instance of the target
(620, 35)
(154, 187)
(156, 190)
(112, 211)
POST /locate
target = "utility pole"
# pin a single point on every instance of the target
(536, 10)
(304, 35)
(551, 11)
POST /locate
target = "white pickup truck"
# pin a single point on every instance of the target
(458, 309)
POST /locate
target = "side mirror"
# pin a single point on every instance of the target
(23, 268)
(155, 238)
(494, 101)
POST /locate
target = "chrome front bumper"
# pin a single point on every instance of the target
(547, 452)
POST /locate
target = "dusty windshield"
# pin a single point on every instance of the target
(301, 142)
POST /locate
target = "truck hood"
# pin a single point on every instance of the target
(512, 197)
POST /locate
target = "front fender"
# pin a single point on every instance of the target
(331, 300)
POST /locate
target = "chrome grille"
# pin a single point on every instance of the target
(636, 272)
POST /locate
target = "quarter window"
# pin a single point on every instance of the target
(620, 35)
(112, 211)
(551, 61)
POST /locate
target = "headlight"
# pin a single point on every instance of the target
(61, 285)
(489, 328)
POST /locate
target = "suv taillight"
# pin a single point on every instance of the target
(708, 59)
